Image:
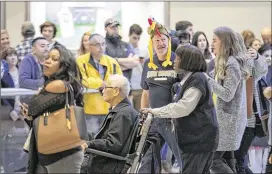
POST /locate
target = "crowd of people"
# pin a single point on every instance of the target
(211, 102)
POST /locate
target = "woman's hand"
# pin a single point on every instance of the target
(268, 92)
(146, 110)
(24, 111)
(252, 53)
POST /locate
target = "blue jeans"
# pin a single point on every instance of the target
(161, 127)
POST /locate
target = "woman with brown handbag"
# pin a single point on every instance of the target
(59, 69)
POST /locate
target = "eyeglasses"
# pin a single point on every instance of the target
(98, 45)
(102, 88)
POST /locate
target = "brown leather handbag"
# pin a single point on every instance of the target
(249, 94)
(61, 130)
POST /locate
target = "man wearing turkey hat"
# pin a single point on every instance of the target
(157, 79)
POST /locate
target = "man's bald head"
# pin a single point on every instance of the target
(266, 35)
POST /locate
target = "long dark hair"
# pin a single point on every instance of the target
(191, 59)
(68, 72)
(207, 53)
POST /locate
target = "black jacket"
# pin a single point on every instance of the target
(120, 49)
(112, 138)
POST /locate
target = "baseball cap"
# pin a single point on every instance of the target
(111, 22)
(28, 28)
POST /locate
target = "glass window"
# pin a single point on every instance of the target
(75, 18)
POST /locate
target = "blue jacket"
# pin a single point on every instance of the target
(30, 75)
(7, 82)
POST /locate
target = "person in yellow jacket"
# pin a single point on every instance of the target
(96, 68)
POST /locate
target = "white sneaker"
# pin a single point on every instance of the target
(2, 169)
(175, 168)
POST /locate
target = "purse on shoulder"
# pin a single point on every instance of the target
(63, 129)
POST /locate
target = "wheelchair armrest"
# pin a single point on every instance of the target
(109, 155)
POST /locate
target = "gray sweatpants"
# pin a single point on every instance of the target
(69, 164)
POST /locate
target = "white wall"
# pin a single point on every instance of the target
(37, 10)
(132, 12)
(138, 13)
(15, 16)
(206, 16)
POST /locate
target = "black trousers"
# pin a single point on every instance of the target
(197, 162)
(221, 160)
(269, 166)
(241, 153)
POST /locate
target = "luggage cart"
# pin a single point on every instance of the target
(137, 143)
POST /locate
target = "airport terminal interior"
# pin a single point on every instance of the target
(136, 87)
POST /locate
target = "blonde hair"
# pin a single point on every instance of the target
(4, 31)
(229, 47)
(82, 50)
(242, 57)
(247, 36)
(252, 40)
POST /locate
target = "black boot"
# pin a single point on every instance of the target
(232, 164)
(218, 166)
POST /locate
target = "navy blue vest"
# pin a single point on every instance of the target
(198, 132)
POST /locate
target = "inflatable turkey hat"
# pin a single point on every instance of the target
(153, 29)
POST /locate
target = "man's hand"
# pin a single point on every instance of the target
(130, 55)
(270, 159)
(134, 57)
(84, 146)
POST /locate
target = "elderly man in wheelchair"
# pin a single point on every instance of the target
(113, 141)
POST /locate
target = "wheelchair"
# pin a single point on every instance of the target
(134, 151)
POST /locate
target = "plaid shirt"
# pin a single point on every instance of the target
(24, 48)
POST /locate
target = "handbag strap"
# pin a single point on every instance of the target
(70, 91)
(67, 104)
(262, 84)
